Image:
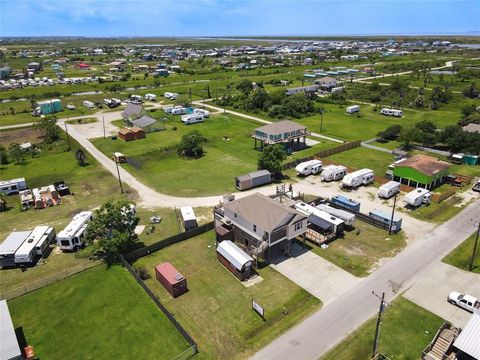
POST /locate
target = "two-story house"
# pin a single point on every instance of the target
(257, 223)
(291, 134)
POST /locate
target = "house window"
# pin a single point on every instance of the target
(298, 226)
(255, 228)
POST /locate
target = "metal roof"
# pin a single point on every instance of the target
(13, 242)
(144, 121)
(281, 127)
(236, 256)
(468, 340)
(187, 213)
(425, 164)
(9, 348)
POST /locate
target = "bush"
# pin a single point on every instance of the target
(142, 272)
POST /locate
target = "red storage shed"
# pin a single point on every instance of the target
(171, 279)
(126, 134)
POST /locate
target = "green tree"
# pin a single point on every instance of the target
(3, 202)
(182, 100)
(80, 156)
(112, 229)
(407, 137)
(3, 155)
(191, 145)
(390, 133)
(15, 152)
(467, 110)
(49, 129)
(271, 159)
(245, 86)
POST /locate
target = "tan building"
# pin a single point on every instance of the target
(291, 134)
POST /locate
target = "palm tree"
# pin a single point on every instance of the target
(80, 156)
(3, 202)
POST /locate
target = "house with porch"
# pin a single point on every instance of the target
(420, 171)
(292, 135)
(257, 223)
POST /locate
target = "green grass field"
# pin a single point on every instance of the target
(359, 251)
(156, 163)
(405, 331)
(216, 310)
(98, 314)
(462, 255)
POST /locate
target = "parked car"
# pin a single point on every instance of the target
(476, 187)
(464, 301)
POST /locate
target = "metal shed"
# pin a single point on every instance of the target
(253, 179)
(235, 259)
(171, 279)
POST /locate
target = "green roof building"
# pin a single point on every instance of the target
(421, 171)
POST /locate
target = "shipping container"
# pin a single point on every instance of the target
(171, 279)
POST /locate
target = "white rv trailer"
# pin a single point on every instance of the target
(188, 217)
(9, 247)
(204, 112)
(417, 197)
(170, 95)
(317, 216)
(309, 167)
(150, 97)
(88, 104)
(36, 244)
(13, 186)
(333, 172)
(347, 217)
(72, 236)
(192, 119)
(389, 189)
(353, 109)
(359, 177)
(391, 112)
(179, 110)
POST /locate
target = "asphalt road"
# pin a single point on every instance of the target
(323, 330)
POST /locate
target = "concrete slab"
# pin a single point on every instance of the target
(431, 290)
(316, 275)
(254, 280)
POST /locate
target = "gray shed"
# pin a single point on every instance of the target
(253, 179)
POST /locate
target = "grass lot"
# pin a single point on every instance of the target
(405, 331)
(217, 309)
(462, 254)
(360, 250)
(96, 308)
(155, 162)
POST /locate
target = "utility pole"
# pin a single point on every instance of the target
(474, 248)
(118, 173)
(379, 319)
(321, 120)
(103, 121)
(393, 214)
(68, 137)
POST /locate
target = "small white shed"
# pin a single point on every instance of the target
(188, 217)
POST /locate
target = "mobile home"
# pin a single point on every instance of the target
(347, 217)
(188, 217)
(386, 219)
(346, 203)
(13, 186)
(389, 189)
(72, 236)
(192, 119)
(9, 247)
(353, 109)
(417, 197)
(309, 167)
(359, 177)
(333, 172)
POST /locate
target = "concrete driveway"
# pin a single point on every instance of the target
(316, 275)
(431, 289)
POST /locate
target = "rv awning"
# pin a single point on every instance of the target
(321, 223)
(468, 340)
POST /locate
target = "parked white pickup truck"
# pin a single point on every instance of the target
(466, 302)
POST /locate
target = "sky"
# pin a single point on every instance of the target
(236, 17)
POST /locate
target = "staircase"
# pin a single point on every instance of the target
(440, 347)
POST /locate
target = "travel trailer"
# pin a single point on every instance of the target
(309, 167)
(179, 110)
(203, 112)
(321, 218)
(347, 203)
(395, 224)
(391, 112)
(72, 236)
(13, 186)
(417, 197)
(357, 178)
(192, 119)
(36, 244)
(347, 217)
(150, 97)
(333, 172)
(188, 217)
(353, 109)
(389, 189)
(170, 95)
(88, 104)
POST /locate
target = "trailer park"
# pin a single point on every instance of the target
(229, 255)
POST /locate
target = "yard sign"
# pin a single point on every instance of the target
(258, 309)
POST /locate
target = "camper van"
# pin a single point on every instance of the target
(333, 172)
(150, 97)
(13, 186)
(389, 189)
(192, 119)
(391, 112)
(179, 110)
(357, 178)
(417, 197)
(309, 167)
(36, 244)
(203, 112)
(72, 236)
(347, 217)
(353, 109)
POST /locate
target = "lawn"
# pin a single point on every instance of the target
(105, 313)
(155, 162)
(462, 255)
(360, 250)
(405, 331)
(216, 310)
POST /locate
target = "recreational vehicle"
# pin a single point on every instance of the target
(170, 95)
(389, 189)
(26, 199)
(36, 244)
(192, 119)
(359, 177)
(321, 218)
(333, 172)
(344, 202)
(179, 110)
(13, 186)
(136, 99)
(309, 167)
(72, 236)
(188, 217)
(347, 217)
(394, 224)
(150, 97)
(88, 104)
(9, 247)
(391, 112)
(203, 112)
(353, 109)
(417, 197)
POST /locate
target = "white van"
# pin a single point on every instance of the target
(192, 119)
(309, 167)
(389, 189)
(333, 172)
